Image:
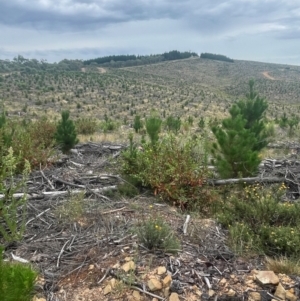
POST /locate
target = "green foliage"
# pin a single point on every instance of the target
(108, 125)
(72, 209)
(241, 137)
(217, 57)
(66, 136)
(16, 281)
(86, 126)
(137, 123)
(155, 234)
(201, 123)
(12, 210)
(173, 124)
(32, 142)
(258, 221)
(174, 168)
(153, 127)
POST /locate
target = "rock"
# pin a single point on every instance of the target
(112, 282)
(174, 297)
(38, 299)
(161, 270)
(267, 277)
(211, 292)
(107, 289)
(222, 281)
(231, 293)
(154, 285)
(136, 295)
(290, 296)
(280, 292)
(130, 265)
(254, 296)
(167, 281)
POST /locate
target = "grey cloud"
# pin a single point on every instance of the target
(204, 16)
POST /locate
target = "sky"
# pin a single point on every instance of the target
(256, 30)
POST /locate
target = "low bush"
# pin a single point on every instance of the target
(86, 126)
(258, 221)
(175, 168)
(155, 234)
(16, 281)
(12, 210)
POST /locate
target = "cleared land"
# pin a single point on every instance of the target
(192, 87)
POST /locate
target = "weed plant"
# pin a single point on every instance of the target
(259, 221)
(12, 210)
(155, 234)
(72, 209)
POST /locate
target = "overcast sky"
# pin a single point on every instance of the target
(258, 30)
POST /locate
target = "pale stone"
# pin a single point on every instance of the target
(166, 292)
(222, 281)
(254, 296)
(91, 267)
(130, 265)
(211, 292)
(161, 270)
(136, 295)
(280, 292)
(267, 277)
(35, 298)
(290, 296)
(167, 280)
(112, 282)
(107, 289)
(231, 293)
(154, 285)
(174, 297)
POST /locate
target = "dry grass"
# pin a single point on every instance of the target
(283, 265)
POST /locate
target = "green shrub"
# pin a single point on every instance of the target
(259, 221)
(28, 145)
(16, 281)
(241, 137)
(153, 127)
(12, 210)
(137, 123)
(155, 234)
(175, 169)
(173, 124)
(66, 136)
(86, 126)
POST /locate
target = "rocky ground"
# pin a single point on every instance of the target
(80, 236)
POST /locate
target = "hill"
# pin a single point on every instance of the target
(189, 87)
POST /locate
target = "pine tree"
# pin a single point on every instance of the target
(241, 137)
(137, 123)
(66, 136)
(153, 127)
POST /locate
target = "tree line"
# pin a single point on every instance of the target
(133, 60)
(217, 57)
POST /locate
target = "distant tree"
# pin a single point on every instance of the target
(66, 136)
(153, 127)
(217, 57)
(137, 123)
(173, 124)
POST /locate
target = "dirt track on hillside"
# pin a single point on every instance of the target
(267, 75)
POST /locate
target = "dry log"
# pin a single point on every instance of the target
(57, 193)
(247, 180)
